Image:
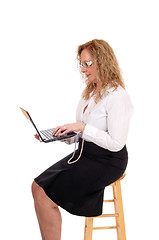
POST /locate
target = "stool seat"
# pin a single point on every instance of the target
(119, 214)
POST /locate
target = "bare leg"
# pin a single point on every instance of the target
(48, 214)
(42, 234)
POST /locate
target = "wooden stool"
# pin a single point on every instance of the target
(119, 215)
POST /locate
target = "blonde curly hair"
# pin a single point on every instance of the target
(108, 71)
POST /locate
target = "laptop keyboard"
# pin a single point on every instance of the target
(48, 133)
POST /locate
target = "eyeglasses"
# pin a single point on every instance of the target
(85, 64)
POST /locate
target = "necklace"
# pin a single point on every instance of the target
(76, 138)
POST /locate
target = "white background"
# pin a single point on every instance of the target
(38, 72)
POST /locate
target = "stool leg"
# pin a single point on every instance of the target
(120, 210)
(85, 229)
(116, 211)
(88, 228)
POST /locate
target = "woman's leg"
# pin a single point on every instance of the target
(48, 214)
(42, 233)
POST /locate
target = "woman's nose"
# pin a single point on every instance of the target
(83, 69)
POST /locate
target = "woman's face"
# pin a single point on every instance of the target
(89, 71)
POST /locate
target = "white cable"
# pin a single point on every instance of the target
(82, 141)
(75, 151)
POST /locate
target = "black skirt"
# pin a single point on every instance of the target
(79, 187)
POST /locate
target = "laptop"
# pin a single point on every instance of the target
(46, 135)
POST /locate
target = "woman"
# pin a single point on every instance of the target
(77, 182)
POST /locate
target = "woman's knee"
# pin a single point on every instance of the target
(40, 196)
(37, 191)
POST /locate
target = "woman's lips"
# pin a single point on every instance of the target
(87, 75)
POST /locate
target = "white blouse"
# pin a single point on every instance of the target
(107, 122)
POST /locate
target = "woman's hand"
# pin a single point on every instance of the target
(37, 137)
(72, 127)
(67, 140)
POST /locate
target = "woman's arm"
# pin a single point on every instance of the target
(119, 110)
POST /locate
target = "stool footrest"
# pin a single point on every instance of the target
(108, 215)
(108, 200)
(99, 228)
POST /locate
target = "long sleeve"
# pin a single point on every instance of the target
(118, 113)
